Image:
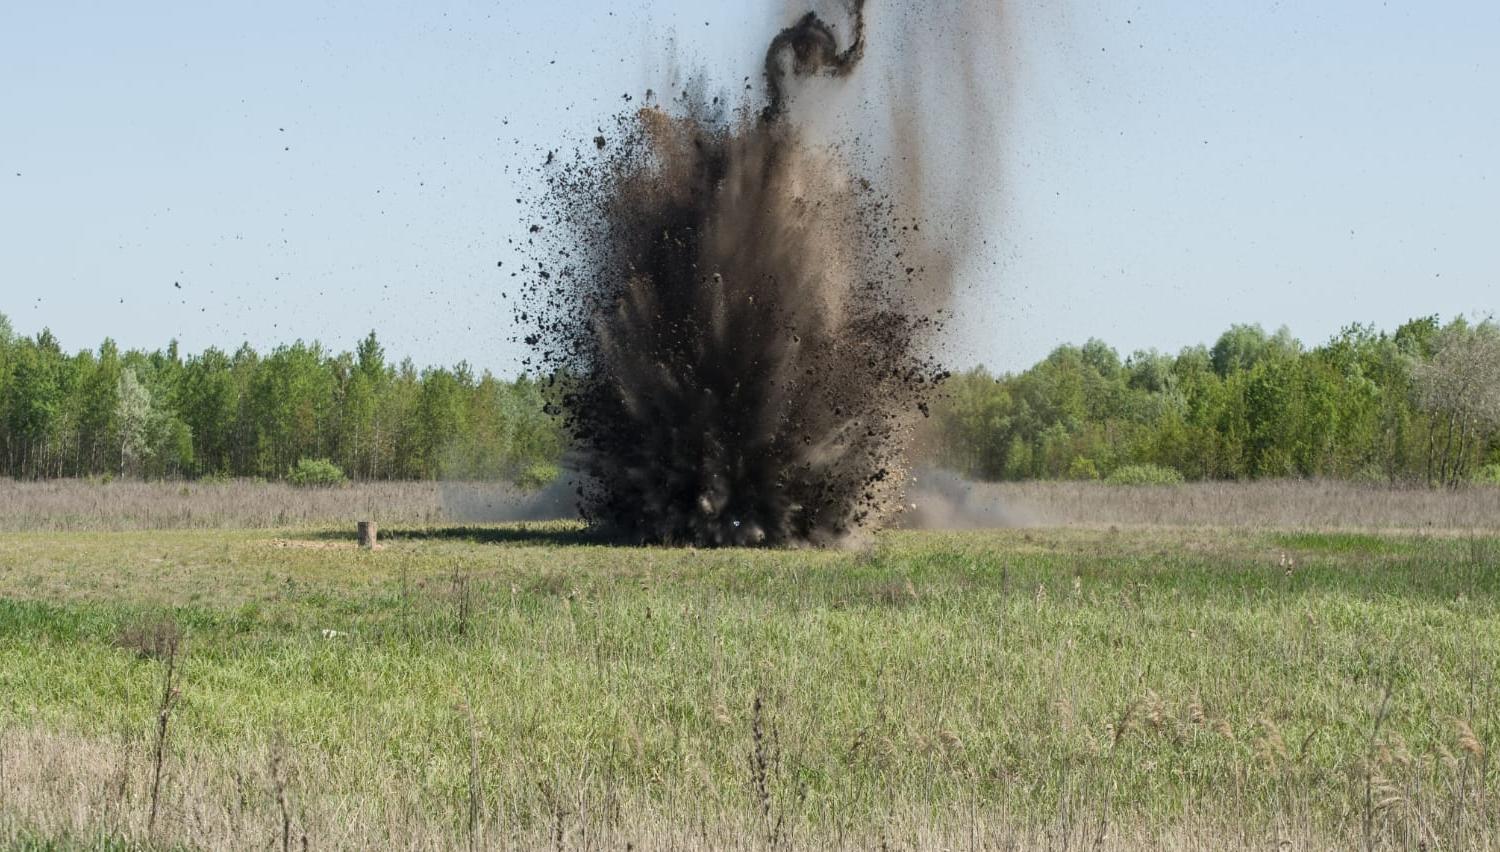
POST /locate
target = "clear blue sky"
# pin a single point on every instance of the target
(317, 169)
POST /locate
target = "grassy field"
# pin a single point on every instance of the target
(518, 687)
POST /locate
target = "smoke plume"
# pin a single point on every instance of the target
(740, 323)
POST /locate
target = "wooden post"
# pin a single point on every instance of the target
(367, 534)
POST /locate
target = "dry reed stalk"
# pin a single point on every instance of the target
(169, 695)
(1370, 805)
(474, 790)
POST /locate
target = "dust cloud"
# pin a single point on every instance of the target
(742, 308)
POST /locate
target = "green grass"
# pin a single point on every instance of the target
(1351, 543)
(1042, 678)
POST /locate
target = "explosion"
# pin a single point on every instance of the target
(729, 313)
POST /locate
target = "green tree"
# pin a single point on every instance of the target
(1150, 371)
(207, 403)
(32, 407)
(1460, 387)
(135, 412)
(440, 417)
(99, 405)
(1243, 346)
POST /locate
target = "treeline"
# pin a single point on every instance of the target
(1419, 404)
(247, 414)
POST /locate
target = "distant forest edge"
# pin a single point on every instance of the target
(1420, 404)
(1417, 405)
(216, 414)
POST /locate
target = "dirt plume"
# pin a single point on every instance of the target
(741, 322)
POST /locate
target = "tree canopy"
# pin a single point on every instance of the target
(1421, 403)
(248, 414)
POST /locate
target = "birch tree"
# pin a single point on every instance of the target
(134, 413)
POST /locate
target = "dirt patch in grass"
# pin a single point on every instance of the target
(316, 544)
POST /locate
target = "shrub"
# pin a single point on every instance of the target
(1083, 468)
(1488, 475)
(316, 473)
(537, 476)
(1144, 474)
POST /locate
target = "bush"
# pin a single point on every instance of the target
(1488, 475)
(1144, 474)
(537, 476)
(316, 473)
(1083, 468)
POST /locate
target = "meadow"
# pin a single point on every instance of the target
(1188, 679)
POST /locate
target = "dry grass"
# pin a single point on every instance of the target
(80, 504)
(72, 791)
(1283, 505)
(60, 505)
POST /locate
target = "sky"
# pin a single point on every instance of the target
(219, 172)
